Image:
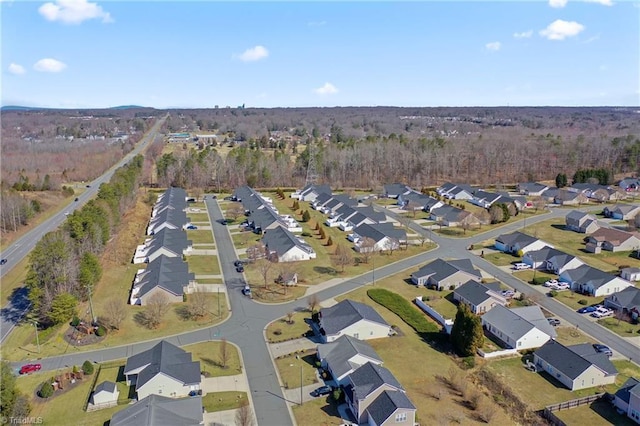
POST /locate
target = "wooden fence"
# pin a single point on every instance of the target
(547, 413)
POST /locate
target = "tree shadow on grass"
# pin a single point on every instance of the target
(211, 363)
(325, 270)
(559, 226)
(183, 313)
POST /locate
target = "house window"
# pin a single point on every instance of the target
(371, 333)
(401, 417)
(356, 335)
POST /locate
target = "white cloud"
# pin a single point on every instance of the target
(327, 89)
(49, 65)
(559, 30)
(253, 54)
(493, 46)
(602, 2)
(524, 34)
(557, 3)
(16, 69)
(73, 11)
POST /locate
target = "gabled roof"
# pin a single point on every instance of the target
(632, 385)
(371, 213)
(551, 192)
(156, 410)
(624, 209)
(105, 386)
(628, 298)
(169, 273)
(387, 403)
(516, 238)
(517, 322)
(450, 213)
(584, 274)
(544, 254)
(574, 360)
(378, 231)
(167, 359)
(281, 240)
(369, 377)
(174, 240)
(314, 188)
(338, 353)
(322, 198)
(578, 215)
(532, 187)
(345, 199)
(477, 293)
(346, 313)
(613, 236)
(396, 189)
(440, 269)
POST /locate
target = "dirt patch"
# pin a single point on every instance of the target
(75, 338)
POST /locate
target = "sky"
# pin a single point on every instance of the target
(199, 54)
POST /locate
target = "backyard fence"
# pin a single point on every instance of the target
(447, 324)
(494, 354)
(547, 413)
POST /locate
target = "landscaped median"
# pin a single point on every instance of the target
(296, 366)
(284, 329)
(222, 401)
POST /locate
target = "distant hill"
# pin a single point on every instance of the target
(27, 108)
(128, 107)
(19, 108)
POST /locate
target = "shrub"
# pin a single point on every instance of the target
(46, 390)
(101, 331)
(469, 362)
(583, 302)
(553, 293)
(75, 321)
(538, 281)
(401, 307)
(306, 234)
(87, 368)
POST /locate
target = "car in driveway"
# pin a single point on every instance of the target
(554, 321)
(602, 313)
(603, 349)
(3, 261)
(587, 309)
(322, 390)
(519, 266)
(192, 227)
(551, 283)
(30, 368)
(240, 268)
(509, 294)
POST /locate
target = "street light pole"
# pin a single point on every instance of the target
(300, 360)
(373, 269)
(218, 301)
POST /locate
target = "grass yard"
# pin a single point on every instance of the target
(209, 355)
(289, 369)
(528, 275)
(221, 401)
(276, 293)
(63, 405)
(200, 236)
(622, 328)
(203, 265)
(280, 330)
(568, 335)
(501, 259)
(244, 239)
(599, 412)
(198, 217)
(321, 411)
(14, 279)
(114, 372)
(571, 299)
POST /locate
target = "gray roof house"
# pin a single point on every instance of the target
(629, 184)
(582, 222)
(565, 197)
(311, 191)
(589, 280)
(384, 236)
(480, 298)
(165, 275)
(391, 408)
(533, 189)
(455, 191)
(453, 216)
(630, 274)
(353, 319)
(365, 385)
(172, 218)
(627, 399)
(576, 367)
(444, 274)
(394, 190)
(156, 410)
(105, 395)
(622, 211)
(321, 200)
(627, 301)
(516, 242)
(519, 328)
(611, 239)
(344, 355)
(538, 258)
(285, 246)
(164, 370)
(167, 241)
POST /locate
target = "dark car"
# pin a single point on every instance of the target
(88, 186)
(3, 261)
(228, 199)
(554, 321)
(76, 199)
(587, 310)
(192, 227)
(603, 349)
(322, 390)
(240, 268)
(30, 368)
(246, 291)
(238, 262)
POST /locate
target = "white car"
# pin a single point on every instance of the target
(551, 283)
(602, 313)
(562, 286)
(519, 266)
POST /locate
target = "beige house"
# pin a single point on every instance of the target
(480, 298)
(627, 399)
(105, 395)
(612, 240)
(576, 367)
(350, 318)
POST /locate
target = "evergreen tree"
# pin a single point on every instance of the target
(466, 335)
(561, 180)
(306, 216)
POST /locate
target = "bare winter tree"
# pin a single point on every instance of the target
(115, 311)
(244, 417)
(313, 302)
(390, 245)
(290, 315)
(234, 211)
(155, 310)
(197, 305)
(255, 252)
(224, 353)
(342, 257)
(366, 249)
(264, 266)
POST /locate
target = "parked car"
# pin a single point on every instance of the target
(587, 310)
(88, 186)
(602, 313)
(30, 368)
(508, 293)
(228, 199)
(192, 227)
(246, 291)
(3, 261)
(240, 268)
(603, 349)
(66, 213)
(554, 321)
(76, 199)
(563, 286)
(518, 266)
(322, 390)
(551, 283)
(238, 262)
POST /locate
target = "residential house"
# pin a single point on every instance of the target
(164, 370)
(310, 192)
(518, 243)
(352, 319)
(605, 194)
(165, 275)
(629, 184)
(370, 382)
(344, 355)
(378, 237)
(576, 367)
(321, 200)
(622, 211)
(537, 259)
(456, 191)
(519, 328)
(453, 216)
(286, 247)
(565, 197)
(627, 399)
(582, 222)
(550, 194)
(355, 220)
(559, 262)
(156, 410)
(612, 239)
(394, 190)
(167, 242)
(445, 274)
(532, 189)
(480, 298)
(415, 201)
(171, 218)
(630, 274)
(626, 301)
(589, 280)
(485, 199)
(104, 395)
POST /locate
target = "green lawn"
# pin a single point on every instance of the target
(199, 236)
(281, 330)
(203, 265)
(244, 239)
(569, 335)
(14, 279)
(622, 328)
(289, 368)
(501, 259)
(599, 412)
(114, 372)
(571, 299)
(198, 217)
(209, 355)
(321, 411)
(221, 401)
(527, 275)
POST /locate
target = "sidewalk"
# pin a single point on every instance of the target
(237, 382)
(285, 348)
(325, 285)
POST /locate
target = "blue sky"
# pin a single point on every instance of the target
(81, 54)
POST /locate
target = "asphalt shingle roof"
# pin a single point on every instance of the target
(174, 240)
(631, 385)
(516, 238)
(440, 269)
(387, 403)
(105, 386)
(574, 360)
(281, 240)
(517, 322)
(475, 292)
(346, 313)
(339, 353)
(156, 410)
(164, 358)
(170, 273)
(369, 377)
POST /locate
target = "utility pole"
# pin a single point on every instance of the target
(373, 269)
(35, 325)
(218, 301)
(312, 174)
(299, 359)
(93, 317)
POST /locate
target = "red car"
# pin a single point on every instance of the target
(30, 368)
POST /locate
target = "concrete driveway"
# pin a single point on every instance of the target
(290, 346)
